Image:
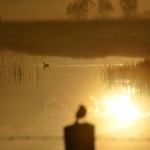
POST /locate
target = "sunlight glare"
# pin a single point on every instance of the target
(122, 108)
(118, 107)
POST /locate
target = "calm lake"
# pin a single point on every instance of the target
(37, 101)
(48, 69)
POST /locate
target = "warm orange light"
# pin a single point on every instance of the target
(122, 108)
(118, 107)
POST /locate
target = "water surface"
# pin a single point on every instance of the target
(38, 101)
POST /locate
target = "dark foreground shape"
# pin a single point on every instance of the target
(79, 137)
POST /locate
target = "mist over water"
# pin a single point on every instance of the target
(36, 96)
(48, 68)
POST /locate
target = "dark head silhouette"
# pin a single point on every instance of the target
(80, 113)
(79, 136)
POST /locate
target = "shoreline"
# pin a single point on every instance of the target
(85, 39)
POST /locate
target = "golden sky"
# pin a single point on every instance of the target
(48, 9)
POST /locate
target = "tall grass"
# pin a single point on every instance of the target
(133, 75)
(18, 74)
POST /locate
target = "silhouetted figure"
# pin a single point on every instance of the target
(79, 136)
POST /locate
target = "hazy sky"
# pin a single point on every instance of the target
(47, 9)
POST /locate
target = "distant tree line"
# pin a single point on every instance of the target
(129, 7)
(79, 9)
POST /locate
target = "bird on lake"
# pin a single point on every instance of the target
(45, 65)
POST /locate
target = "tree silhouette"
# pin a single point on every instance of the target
(105, 7)
(79, 9)
(129, 7)
(75, 10)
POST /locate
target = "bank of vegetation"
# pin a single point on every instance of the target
(77, 38)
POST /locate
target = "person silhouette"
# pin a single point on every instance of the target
(79, 136)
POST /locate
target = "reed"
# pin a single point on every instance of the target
(129, 75)
(18, 74)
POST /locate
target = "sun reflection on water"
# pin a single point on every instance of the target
(118, 109)
(121, 107)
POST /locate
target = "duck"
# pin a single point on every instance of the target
(45, 65)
